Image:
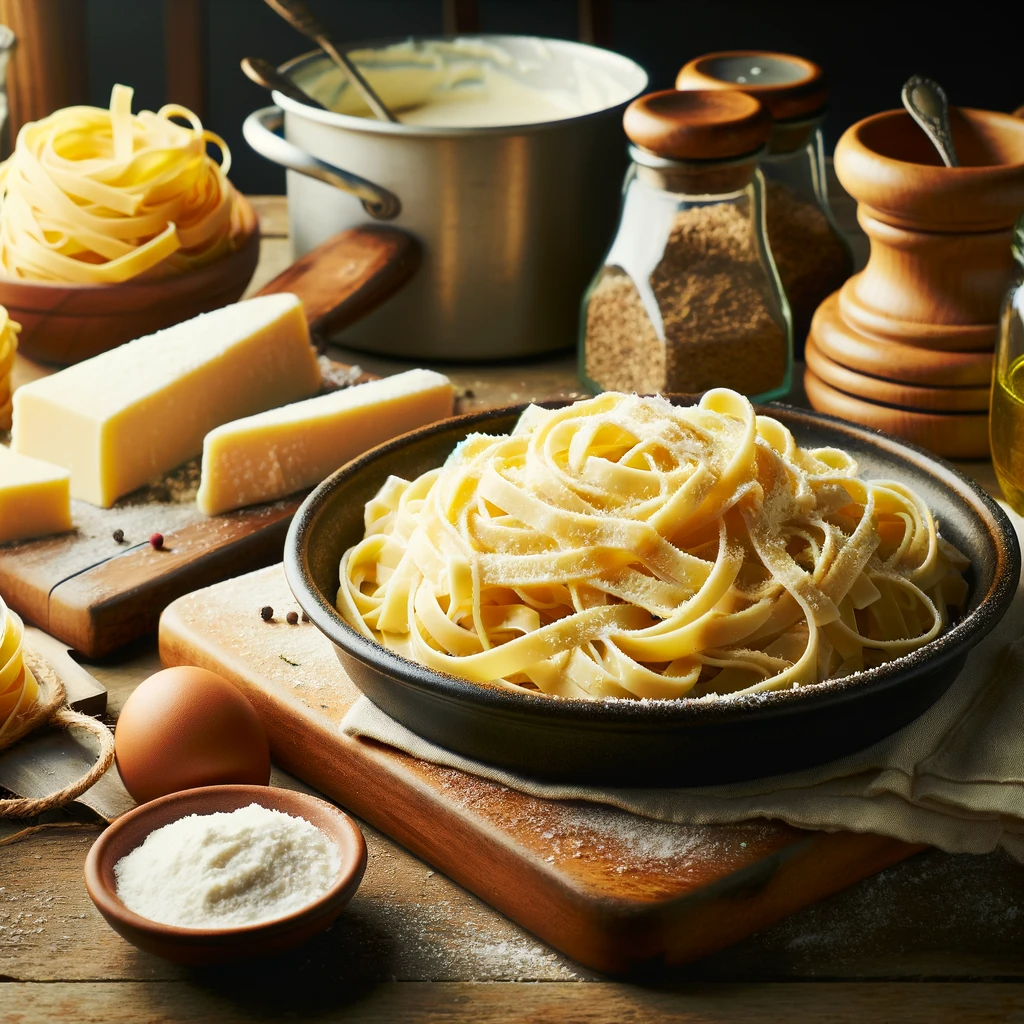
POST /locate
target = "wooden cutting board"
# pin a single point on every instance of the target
(95, 593)
(613, 890)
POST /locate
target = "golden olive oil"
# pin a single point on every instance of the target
(1006, 429)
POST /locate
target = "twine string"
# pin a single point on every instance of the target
(51, 709)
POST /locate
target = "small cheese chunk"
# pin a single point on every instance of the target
(265, 457)
(126, 417)
(35, 498)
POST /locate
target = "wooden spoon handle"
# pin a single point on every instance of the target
(349, 275)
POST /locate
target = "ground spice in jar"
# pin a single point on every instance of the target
(623, 351)
(812, 261)
(713, 298)
(812, 258)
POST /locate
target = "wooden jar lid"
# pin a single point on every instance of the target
(697, 124)
(791, 88)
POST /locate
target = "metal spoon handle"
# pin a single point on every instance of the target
(373, 101)
(926, 103)
(301, 18)
(262, 72)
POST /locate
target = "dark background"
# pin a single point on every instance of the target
(867, 49)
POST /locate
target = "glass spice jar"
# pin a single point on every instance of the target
(688, 297)
(811, 253)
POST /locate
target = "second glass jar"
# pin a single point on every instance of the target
(812, 255)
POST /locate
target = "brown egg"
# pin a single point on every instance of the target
(186, 727)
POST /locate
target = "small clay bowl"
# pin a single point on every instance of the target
(201, 946)
(66, 323)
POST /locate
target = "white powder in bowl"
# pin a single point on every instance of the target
(228, 869)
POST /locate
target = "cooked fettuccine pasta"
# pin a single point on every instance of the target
(625, 547)
(93, 196)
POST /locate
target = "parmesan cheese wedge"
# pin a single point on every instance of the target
(126, 417)
(34, 498)
(265, 457)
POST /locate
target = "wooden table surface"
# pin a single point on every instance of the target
(936, 938)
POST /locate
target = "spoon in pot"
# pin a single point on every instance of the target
(300, 17)
(262, 72)
(926, 103)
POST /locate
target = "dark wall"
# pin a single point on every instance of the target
(868, 49)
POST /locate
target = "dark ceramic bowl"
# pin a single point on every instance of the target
(202, 946)
(669, 743)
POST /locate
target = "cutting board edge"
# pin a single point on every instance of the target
(99, 627)
(609, 934)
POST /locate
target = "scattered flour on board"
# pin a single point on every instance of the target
(561, 830)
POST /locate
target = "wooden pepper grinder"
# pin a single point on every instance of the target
(906, 345)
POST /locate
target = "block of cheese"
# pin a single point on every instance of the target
(126, 417)
(35, 499)
(265, 457)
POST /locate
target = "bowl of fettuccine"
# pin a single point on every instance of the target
(635, 591)
(116, 224)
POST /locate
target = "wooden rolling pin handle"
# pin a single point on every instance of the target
(349, 275)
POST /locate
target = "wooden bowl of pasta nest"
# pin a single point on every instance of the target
(656, 742)
(66, 323)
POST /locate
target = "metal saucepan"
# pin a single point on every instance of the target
(513, 220)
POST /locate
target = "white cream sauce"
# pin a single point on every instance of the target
(461, 83)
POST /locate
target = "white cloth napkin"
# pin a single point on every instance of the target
(954, 778)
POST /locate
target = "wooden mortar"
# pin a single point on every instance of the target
(927, 303)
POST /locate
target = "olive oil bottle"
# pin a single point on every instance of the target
(1006, 419)
(1006, 430)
